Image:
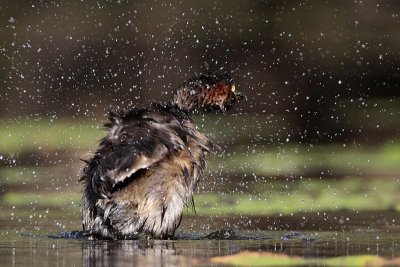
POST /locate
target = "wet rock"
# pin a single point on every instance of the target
(223, 234)
(69, 235)
(294, 235)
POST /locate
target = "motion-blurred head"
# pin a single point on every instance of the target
(207, 92)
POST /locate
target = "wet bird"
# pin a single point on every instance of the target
(146, 169)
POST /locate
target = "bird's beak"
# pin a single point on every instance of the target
(240, 96)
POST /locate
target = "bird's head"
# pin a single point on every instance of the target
(207, 92)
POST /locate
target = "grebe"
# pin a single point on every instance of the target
(146, 169)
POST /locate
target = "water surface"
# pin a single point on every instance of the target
(26, 241)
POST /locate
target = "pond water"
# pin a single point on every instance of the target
(26, 240)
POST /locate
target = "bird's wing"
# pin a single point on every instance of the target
(136, 140)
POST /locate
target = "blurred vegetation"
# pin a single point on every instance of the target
(304, 196)
(251, 152)
(46, 135)
(264, 198)
(247, 258)
(266, 179)
(256, 191)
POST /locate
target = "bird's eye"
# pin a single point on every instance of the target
(233, 88)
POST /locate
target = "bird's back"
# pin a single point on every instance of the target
(143, 173)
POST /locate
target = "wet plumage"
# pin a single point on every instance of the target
(145, 170)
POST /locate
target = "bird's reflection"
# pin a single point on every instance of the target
(132, 252)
